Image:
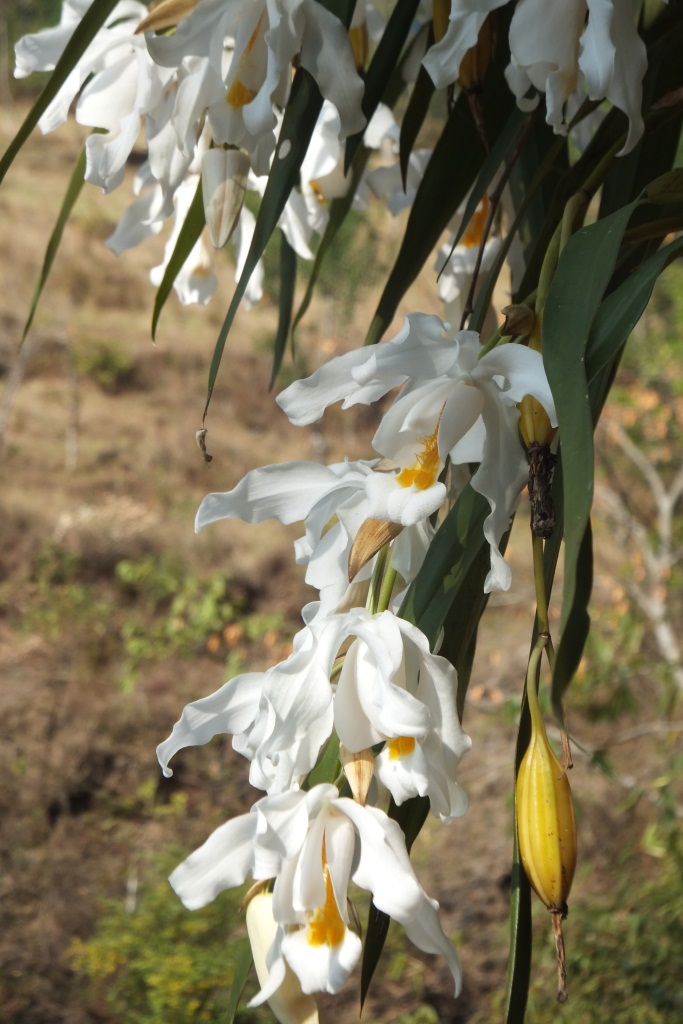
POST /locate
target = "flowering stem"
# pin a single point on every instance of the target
(539, 583)
(374, 593)
(387, 589)
(532, 679)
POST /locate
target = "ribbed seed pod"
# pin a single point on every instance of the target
(546, 827)
(545, 822)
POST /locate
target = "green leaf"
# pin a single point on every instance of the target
(462, 620)
(413, 119)
(583, 274)
(92, 21)
(239, 981)
(447, 563)
(73, 191)
(287, 286)
(327, 767)
(339, 208)
(577, 626)
(505, 143)
(622, 309)
(457, 159)
(193, 225)
(448, 176)
(668, 188)
(299, 121)
(543, 161)
(382, 66)
(519, 963)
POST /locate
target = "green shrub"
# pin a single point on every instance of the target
(107, 365)
(624, 954)
(162, 963)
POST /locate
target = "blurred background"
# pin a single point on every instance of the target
(114, 614)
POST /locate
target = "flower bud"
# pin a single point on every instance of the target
(224, 182)
(534, 424)
(476, 61)
(289, 1003)
(519, 320)
(441, 10)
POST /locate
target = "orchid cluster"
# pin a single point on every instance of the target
(360, 676)
(557, 124)
(208, 81)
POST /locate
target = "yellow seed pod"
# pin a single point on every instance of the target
(546, 827)
(545, 821)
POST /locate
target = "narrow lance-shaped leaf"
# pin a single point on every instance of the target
(239, 981)
(84, 33)
(193, 225)
(299, 121)
(583, 273)
(457, 159)
(73, 191)
(287, 286)
(519, 963)
(339, 209)
(621, 310)
(414, 117)
(448, 176)
(613, 323)
(382, 65)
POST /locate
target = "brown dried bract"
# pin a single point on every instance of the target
(541, 465)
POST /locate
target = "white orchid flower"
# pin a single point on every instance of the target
(314, 844)
(289, 1004)
(114, 42)
(470, 414)
(553, 48)
(279, 719)
(196, 281)
(392, 689)
(556, 46)
(420, 351)
(443, 60)
(453, 404)
(330, 500)
(268, 35)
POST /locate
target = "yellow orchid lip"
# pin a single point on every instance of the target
(325, 925)
(239, 94)
(428, 464)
